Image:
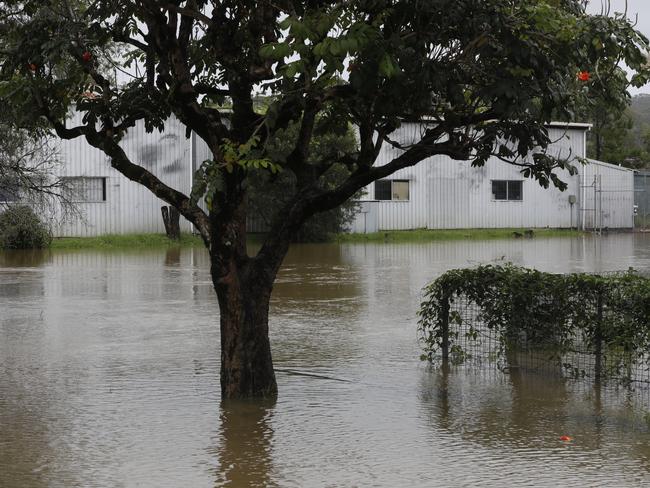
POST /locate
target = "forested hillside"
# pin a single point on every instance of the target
(621, 139)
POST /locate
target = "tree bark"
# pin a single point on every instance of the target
(171, 219)
(243, 286)
(246, 363)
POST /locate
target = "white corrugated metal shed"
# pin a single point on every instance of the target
(447, 194)
(442, 193)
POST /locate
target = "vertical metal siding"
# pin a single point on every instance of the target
(129, 207)
(410, 214)
(609, 201)
(449, 194)
(461, 197)
(642, 198)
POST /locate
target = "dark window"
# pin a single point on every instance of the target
(391, 190)
(382, 190)
(515, 190)
(500, 190)
(84, 189)
(507, 190)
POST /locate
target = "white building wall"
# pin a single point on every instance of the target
(450, 194)
(608, 193)
(443, 193)
(129, 207)
(460, 196)
(366, 219)
(410, 214)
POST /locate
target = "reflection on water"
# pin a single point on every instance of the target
(515, 422)
(109, 377)
(28, 258)
(244, 446)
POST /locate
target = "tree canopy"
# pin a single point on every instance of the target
(503, 68)
(482, 76)
(620, 136)
(269, 192)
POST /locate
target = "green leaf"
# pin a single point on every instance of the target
(386, 66)
(276, 51)
(291, 69)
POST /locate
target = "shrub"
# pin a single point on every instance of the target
(20, 228)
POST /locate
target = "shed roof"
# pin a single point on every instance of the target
(609, 165)
(570, 125)
(553, 124)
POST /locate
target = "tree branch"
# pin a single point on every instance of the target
(134, 172)
(190, 13)
(120, 161)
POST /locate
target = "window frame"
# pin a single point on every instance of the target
(520, 183)
(392, 181)
(74, 197)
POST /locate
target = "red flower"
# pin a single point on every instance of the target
(584, 75)
(86, 56)
(565, 438)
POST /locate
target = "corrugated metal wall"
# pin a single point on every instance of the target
(642, 199)
(443, 193)
(450, 194)
(408, 214)
(608, 193)
(129, 208)
(366, 220)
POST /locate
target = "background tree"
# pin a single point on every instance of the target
(269, 192)
(618, 136)
(487, 74)
(611, 127)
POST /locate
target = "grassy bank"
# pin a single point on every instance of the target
(128, 241)
(144, 241)
(423, 235)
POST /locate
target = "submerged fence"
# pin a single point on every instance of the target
(577, 325)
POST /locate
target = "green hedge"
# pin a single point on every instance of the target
(20, 228)
(557, 312)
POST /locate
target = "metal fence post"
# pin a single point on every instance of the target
(445, 328)
(598, 336)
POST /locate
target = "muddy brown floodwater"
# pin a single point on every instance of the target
(109, 377)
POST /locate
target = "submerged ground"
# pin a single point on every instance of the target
(109, 377)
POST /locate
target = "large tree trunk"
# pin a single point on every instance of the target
(246, 364)
(243, 287)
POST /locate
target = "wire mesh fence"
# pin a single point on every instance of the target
(589, 331)
(469, 341)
